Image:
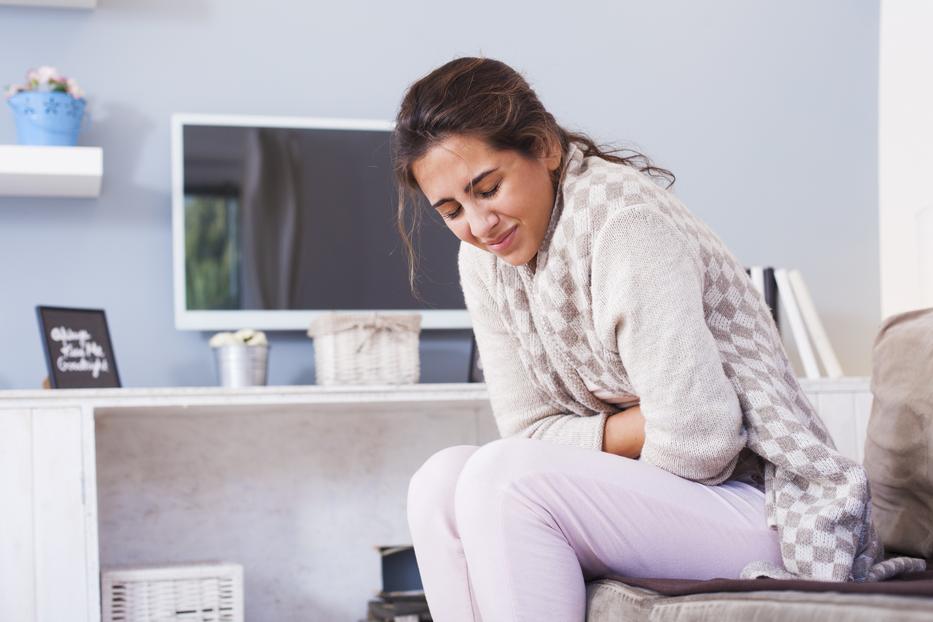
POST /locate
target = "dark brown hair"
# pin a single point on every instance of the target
(486, 99)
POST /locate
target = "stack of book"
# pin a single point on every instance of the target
(786, 288)
(401, 598)
(398, 611)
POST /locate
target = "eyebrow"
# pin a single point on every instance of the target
(466, 188)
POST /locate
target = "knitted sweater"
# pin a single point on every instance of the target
(633, 294)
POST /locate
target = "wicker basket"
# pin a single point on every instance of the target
(366, 348)
(210, 592)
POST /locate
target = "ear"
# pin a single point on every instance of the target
(551, 153)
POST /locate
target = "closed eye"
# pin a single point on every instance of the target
(490, 193)
(486, 195)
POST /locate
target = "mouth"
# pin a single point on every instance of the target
(503, 242)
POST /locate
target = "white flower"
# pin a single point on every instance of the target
(45, 74)
(47, 79)
(73, 89)
(251, 337)
(259, 339)
(223, 339)
(244, 334)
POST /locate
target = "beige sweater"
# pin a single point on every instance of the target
(634, 295)
(665, 346)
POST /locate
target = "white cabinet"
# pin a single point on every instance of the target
(45, 556)
(298, 482)
(340, 456)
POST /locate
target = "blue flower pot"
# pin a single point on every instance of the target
(44, 118)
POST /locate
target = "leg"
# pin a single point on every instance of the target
(435, 536)
(538, 519)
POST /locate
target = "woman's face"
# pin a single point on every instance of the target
(499, 201)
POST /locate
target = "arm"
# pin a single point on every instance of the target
(519, 408)
(650, 284)
(625, 433)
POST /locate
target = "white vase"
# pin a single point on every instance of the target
(241, 365)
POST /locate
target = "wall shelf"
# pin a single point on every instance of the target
(38, 171)
(63, 4)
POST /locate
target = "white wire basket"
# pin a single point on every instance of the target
(366, 348)
(208, 592)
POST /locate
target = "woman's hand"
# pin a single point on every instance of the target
(624, 434)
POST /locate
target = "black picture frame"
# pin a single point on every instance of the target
(77, 347)
(476, 365)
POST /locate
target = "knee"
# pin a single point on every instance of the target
(431, 488)
(496, 466)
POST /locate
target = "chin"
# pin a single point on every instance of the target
(516, 259)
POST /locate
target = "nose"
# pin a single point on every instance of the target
(482, 221)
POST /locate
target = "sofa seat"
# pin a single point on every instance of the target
(622, 600)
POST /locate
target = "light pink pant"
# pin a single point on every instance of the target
(511, 530)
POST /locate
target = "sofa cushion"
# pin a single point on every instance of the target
(613, 600)
(900, 433)
(907, 584)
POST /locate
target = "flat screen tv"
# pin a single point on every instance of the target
(276, 220)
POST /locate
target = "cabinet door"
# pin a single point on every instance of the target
(17, 550)
(43, 545)
(58, 497)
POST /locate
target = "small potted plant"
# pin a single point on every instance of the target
(242, 357)
(48, 108)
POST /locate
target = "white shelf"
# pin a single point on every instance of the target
(64, 4)
(33, 171)
(186, 399)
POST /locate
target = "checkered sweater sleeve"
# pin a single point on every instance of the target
(519, 408)
(648, 292)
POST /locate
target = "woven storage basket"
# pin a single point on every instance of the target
(210, 592)
(366, 348)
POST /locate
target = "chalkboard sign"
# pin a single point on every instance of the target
(77, 346)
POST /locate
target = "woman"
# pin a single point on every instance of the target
(615, 326)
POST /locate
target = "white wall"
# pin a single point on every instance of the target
(905, 141)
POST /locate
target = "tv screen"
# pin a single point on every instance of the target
(279, 219)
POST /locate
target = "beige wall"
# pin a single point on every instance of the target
(905, 155)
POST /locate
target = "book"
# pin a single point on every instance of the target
(400, 577)
(771, 294)
(815, 327)
(757, 274)
(763, 280)
(798, 329)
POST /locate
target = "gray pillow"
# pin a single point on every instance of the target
(900, 433)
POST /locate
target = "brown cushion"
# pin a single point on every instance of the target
(900, 433)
